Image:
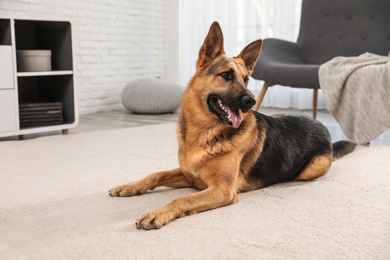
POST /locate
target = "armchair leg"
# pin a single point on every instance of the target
(261, 95)
(315, 101)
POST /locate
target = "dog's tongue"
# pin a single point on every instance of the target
(235, 117)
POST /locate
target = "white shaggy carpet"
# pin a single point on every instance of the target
(54, 205)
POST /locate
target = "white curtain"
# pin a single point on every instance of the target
(242, 22)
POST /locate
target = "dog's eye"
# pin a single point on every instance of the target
(227, 75)
(246, 80)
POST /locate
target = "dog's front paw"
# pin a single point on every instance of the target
(155, 219)
(126, 190)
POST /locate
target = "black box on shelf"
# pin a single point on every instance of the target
(40, 114)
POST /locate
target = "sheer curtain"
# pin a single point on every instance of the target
(242, 22)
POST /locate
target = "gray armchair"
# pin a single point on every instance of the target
(328, 28)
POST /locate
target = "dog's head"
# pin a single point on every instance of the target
(222, 81)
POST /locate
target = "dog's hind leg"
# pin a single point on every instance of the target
(317, 167)
(173, 178)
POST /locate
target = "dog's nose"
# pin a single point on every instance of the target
(248, 101)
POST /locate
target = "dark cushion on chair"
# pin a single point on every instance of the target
(283, 57)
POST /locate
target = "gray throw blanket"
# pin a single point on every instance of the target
(357, 93)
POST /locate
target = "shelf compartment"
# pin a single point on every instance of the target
(57, 88)
(46, 35)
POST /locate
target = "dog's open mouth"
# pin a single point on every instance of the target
(228, 115)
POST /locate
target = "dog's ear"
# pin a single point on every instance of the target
(212, 46)
(250, 54)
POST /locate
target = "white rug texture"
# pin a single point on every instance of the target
(54, 204)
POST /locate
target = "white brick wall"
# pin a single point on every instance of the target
(116, 41)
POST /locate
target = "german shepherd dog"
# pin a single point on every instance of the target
(225, 147)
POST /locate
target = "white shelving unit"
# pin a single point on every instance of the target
(18, 88)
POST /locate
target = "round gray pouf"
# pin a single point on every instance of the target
(151, 96)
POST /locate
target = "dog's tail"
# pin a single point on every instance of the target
(342, 148)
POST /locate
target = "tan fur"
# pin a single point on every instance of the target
(318, 167)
